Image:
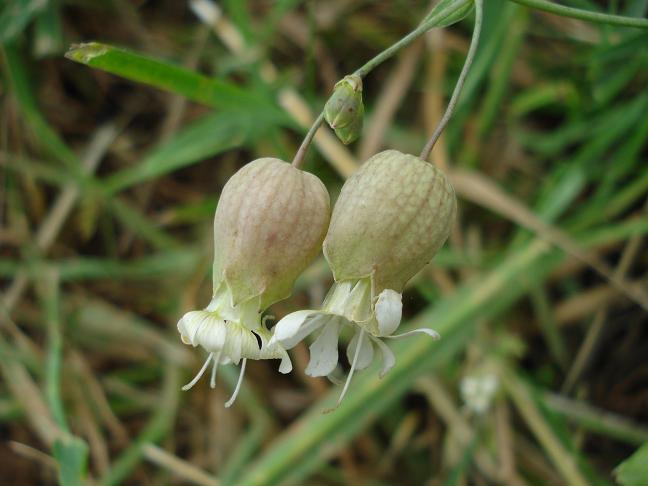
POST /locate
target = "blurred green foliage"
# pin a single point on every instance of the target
(109, 186)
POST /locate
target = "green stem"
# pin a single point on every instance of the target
(474, 42)
(55, 350)
(577, 13)
(298, 161)
(597, 420)
(444, 16)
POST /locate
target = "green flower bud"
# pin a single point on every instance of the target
(351, 132)
(269, 225)
(391, 218)
(344, 110)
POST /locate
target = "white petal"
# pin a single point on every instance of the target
(234, 344)
(389, 310)
(188, 326)
(423, 330)
(334, 379)
(204, 328)
(388, 358)
(212, 334)
(366, 353)
(336, 298)
(358, 305)
(286, 365)
(296, 326)
(324, 350)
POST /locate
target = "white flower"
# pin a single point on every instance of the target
(230, 334)
(269, 224)
(348, 303)
(478, 391)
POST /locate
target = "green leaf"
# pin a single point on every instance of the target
(634, 470)
(204, 138)
(166, 76)
(48, 32)
(42, 132)
(71, 453)
(15, 16)
(587, 15)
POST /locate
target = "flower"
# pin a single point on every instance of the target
(478, 391)
(391, 218)
(269, 224)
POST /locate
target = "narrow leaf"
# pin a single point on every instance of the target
(166, 76)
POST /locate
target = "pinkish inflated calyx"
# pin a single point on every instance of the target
(270, 222)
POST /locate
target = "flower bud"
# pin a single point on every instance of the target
(391, 218)
(344, 110)
(351, 132)
(269, 224)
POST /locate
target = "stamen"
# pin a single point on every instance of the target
(423, 330)
(200, 373)
(230, 402)
(212, 381)
(353, 365)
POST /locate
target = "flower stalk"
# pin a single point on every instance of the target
(443, 14)
(474, 42)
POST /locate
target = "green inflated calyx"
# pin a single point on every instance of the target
(391, 218)
(344, 110)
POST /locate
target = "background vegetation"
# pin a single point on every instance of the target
(108, 187)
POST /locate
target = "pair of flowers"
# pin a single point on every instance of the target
(391, 218)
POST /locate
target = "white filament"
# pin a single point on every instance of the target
(200, 373)
(353, 365)
(212, 381)
(231, 401)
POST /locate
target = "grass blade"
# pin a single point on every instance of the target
(160, 74)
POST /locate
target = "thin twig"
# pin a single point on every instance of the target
(177, 466)
(588, 347)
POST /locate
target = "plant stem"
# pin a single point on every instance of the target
(431, 21)
(394, 48)
(474, 42)
(577, 13)
(298, 161)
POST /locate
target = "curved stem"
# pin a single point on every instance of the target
(298, 161)
(428, 23)
(474, 42)
(393, 49)
(577, 13)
